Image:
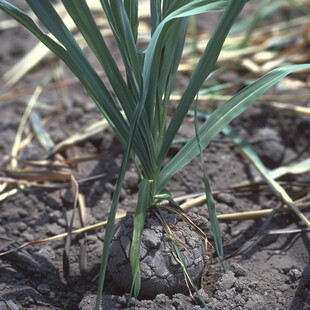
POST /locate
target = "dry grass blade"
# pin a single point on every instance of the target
(66, 252)
(8, 24)
(12, 192)
(22, 125)
(59, 163)
(79, 137)
(34, 57)
(26, 64)
(83, 241)
(182, 214)
(290, 107)
(41, 134)
(39, 176)
(286, 231)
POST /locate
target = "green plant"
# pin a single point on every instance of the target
(144, 94)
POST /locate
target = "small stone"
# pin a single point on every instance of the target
(238, 270)
(227, 281)
(226, 198)
(53, 230)
(255, 302)
(54, 216)
(43, 288)
(74, 114)
(90, 106)
(47, 251)
(19, 276)
(54, 201)
(284, 287)
(2, 230)
(294, 274)
(269, 147)
(62, 222)
(28, 237)
(23, 213)
(21, 226)
(68, 197)
(92, 239)
(131, 180)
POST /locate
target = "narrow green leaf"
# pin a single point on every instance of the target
(82, 17)
(220, 118)
(142, 206)
(210, 201)
(155, 14)
(166, 195)
(203, 69)
(121, 27)
(131, 7)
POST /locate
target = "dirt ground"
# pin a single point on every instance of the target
(274, 274)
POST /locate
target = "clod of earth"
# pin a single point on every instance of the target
(160, 271)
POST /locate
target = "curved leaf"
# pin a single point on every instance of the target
(220, 118)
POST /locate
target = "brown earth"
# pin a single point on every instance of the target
(274, 274)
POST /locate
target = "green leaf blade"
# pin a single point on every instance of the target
(221, 117)
(204, 67)
(139, 219)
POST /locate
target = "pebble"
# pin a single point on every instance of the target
(238, 270)
(2, 229)
(21, 226)
(256, 302)
(270, 147)
(92, 239)
(19, 276)
(54, 215)
(43, 288)
(294, 274)
(284, 287)
(53, 229)
(90, 106)
(23, 213)
(62, 222)
(47, 251)
(28, 237)
(67, 197)
(226, 198)
(227, 281)
(74, 114)
(54, 201)
(131, 180)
